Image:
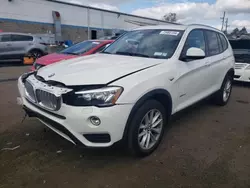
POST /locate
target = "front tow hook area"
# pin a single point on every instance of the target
(19, 101)
(29, 112)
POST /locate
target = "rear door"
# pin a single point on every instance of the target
(5, 46)
(217, 63)
(20, 44)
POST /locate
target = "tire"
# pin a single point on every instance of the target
(156, 133)
(223, 95)
(36, 53)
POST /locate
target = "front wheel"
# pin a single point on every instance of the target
(223, 95)
(147, 128)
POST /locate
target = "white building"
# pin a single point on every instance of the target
(76, 22)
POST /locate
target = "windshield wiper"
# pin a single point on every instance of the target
(132, 54)
(105, 52)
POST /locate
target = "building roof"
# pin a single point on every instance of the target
(116, 12)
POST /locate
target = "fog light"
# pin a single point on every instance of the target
(95, 120)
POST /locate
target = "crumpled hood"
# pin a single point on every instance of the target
(95, 69)
(52, 58)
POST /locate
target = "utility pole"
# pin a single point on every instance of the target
(223, 20)
(226, 25)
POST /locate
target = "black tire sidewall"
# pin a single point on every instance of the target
(220, 100)
(36, 51)
(135, 123)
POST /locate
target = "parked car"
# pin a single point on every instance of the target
(130, 90)
(16, 45)
(80, 49)
(241, 49)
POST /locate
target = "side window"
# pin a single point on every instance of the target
(213, 43)
(224, 42)
(21, 38)
(195, 39)
(4, 38)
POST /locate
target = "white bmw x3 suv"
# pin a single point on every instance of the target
(129, 91)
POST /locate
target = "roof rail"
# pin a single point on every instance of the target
(203, 26)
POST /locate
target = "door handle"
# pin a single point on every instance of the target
(8, 44)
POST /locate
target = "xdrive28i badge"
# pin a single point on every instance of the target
(51, 75)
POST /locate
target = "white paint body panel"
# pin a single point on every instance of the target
(242, 70)
(186, 82)
(94, 69)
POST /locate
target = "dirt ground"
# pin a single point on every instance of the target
(205, 146)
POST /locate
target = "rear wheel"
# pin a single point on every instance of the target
(223, 95)
(147, 128)
(36, 53)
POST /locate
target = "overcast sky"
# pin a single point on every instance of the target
(188, 11)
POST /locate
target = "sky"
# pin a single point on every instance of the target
(188, 11)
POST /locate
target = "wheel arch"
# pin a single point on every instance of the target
(160, 95)
(230, 72)
(35, 49)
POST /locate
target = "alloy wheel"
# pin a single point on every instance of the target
(227, 90)
(150, 129)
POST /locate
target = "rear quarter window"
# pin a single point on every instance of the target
(223, 42)
(213, 43)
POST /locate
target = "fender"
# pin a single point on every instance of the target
(166, 95)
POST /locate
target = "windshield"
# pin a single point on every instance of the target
(241, 50)
(151, 43)
(80, 48)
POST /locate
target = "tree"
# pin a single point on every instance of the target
(171, 17)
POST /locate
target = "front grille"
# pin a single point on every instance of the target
(30, 91)
(48, 100)
(43, 98)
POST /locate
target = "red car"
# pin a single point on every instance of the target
(80, 49)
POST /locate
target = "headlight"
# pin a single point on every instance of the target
(97, 97)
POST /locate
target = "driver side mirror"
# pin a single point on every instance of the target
(195, 53)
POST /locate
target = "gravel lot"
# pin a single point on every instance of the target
(205, 146)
